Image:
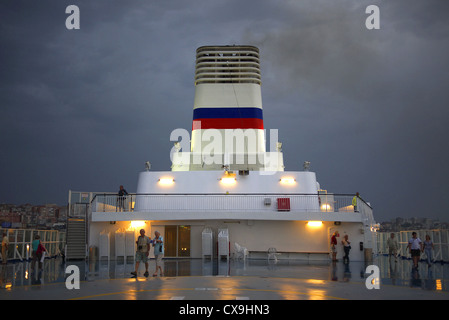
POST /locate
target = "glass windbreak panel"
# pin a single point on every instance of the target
(20, 235)
(28, 235)
(12, 235)
(11, 251)
(183, 241)
(20, 248)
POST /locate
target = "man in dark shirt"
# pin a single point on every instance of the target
(122, 193)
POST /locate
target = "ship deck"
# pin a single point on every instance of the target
(197, 279)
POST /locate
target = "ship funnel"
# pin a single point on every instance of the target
(228, 100)
(227, 126)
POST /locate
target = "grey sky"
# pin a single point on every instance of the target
(84, 109)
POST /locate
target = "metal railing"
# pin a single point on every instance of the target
(20, 241)
(439, 237)
(78, 202)
(224, 202)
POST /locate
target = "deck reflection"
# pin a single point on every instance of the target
(396, 273)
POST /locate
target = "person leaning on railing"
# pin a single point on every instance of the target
(122, 193)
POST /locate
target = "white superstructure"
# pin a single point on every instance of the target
(224, 181)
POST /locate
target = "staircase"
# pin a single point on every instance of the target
(76, 239)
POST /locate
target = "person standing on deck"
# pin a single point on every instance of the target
(142, 252)
(428, 247)
(354, 201)
(40, 251)
(346, 247)
(415, 247)
(334, 245)
(35, 247)
(158, 244)
(393, 246)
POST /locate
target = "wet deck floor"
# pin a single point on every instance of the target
(196, 279)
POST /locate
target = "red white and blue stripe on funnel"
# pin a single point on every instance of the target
(227, 118)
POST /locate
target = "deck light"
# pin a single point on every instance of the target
(288, 181)
(228, 180)
(166, 181)
(137, 224)
(325, 207)
(314, 223)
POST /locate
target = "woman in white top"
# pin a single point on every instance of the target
(415, 247)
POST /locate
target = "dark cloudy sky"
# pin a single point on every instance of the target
(84, 109)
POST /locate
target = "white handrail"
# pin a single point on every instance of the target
(221, 202)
